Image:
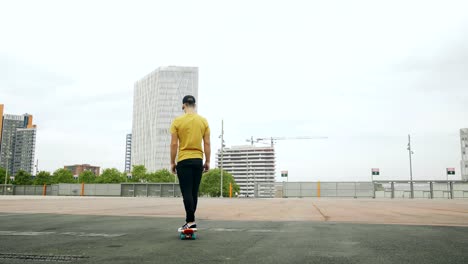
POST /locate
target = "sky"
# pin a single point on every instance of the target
(363, 73)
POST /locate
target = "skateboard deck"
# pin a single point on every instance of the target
(188, 234)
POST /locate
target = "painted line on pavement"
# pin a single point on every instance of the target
(77, 234)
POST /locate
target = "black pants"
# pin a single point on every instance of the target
(189, 172)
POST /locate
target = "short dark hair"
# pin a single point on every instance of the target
(189, 100)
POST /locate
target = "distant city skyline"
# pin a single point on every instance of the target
(363, 73)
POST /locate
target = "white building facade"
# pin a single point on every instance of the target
(157, 101)
(253, 169)
(128, 153)
(464, 153)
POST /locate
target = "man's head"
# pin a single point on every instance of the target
(188, 102)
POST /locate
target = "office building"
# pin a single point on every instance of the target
(17, 142)
(157, 101)
(77, 169)
(252, 167)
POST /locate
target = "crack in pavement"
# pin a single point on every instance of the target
(325, 217)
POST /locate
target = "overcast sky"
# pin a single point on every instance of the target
(364, 73)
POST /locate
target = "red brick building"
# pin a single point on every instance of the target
(79, 168)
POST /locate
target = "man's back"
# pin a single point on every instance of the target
(190, 129)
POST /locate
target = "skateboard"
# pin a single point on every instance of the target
(188, 234)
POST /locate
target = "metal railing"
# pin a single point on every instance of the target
(376, 189)
(422, 189)
(328, 189)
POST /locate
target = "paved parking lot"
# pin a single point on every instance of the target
(143, 230)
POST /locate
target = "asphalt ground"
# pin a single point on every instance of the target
(32, 237)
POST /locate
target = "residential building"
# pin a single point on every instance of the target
(17, 142)
(25, 145)
(157, 101)
(252, 167)
(77, 169)
(128, 154)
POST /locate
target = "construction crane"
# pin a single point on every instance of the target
(274, 139)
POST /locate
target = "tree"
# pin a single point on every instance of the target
(86, 177)
(23, 178)
(160, 176)
(139, 173)
(2, 176)
(111, 176)
(63, 176)
(210, 184)
(43, 177)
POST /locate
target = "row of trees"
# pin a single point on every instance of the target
(210, 184)
(139, 174)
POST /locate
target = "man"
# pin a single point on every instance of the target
(187, 133)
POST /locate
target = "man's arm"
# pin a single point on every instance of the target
(207, 150)
(174, 147)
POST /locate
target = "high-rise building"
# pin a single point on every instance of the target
(128, 154)
(464, 153)
(25, 145)
(157, 101)
(1, 127)
(252, 167)
(77, 169)
(17, 142)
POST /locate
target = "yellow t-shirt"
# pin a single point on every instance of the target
(190, 129)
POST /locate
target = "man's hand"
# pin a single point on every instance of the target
(206, 167)
(173, 168)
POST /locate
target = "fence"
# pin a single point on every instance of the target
(422, 189)
(328, 189)
(264, 190)
(70, 189)
(379, 189)
(6, 189)
(150, 190)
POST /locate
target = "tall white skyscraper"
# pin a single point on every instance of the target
(157, 101)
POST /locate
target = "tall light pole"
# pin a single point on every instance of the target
(247, 172)
(222, 154)
(411, 166)
(6, 177)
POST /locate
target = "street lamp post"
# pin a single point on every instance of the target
(411, 166)
(6, 177)
(248, 173)
(222, 153)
